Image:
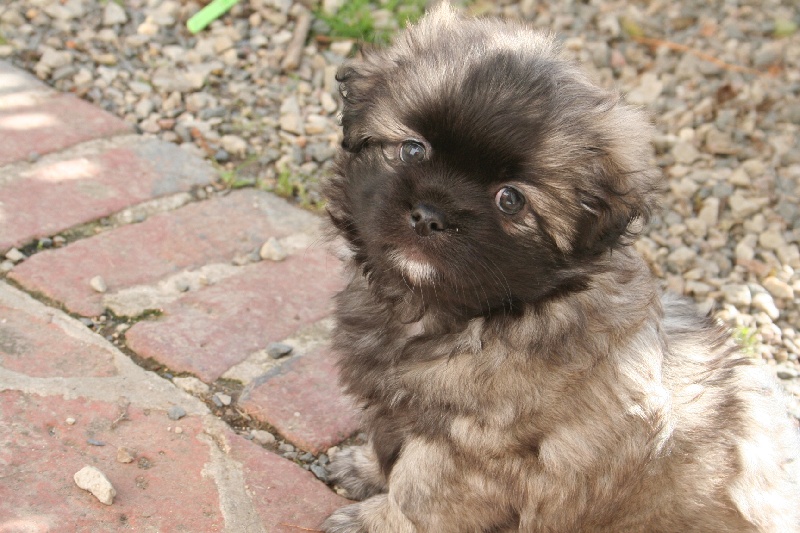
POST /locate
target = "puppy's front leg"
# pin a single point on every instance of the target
(377, 514)
(427, 492)
(356, 470)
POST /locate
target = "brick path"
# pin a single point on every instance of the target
(143, 266)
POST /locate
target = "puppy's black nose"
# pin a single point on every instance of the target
(426, 220)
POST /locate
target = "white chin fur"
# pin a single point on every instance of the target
(414, 271)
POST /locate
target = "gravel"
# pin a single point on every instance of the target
(723, 89)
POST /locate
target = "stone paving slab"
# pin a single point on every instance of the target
(302, 400)
(216, 230)
(35, 346)
(16, 81)
(209, 331)
(35, 121)
(82, 185)
(191, 474)
(162, 489)
(287, 498)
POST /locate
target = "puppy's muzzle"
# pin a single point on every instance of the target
(426, 220)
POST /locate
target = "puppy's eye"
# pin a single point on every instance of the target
(509, 200)
(412, 152)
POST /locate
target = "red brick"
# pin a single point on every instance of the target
(288, 498)
(164, 491)
(55, 195)
(212, 231)
(302, 400)
(209, 331)
(36, 347)
(48, 122)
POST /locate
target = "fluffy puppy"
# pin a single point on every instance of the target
(517, 367)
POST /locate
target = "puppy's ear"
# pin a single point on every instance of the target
(357, 83)
(625, 185)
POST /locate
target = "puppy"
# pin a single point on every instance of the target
(517, 367)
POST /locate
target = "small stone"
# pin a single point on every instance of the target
(290, 118)
(771, 240)
(222, 156)
(787, 372)
(15, 256)
(744, 252)
(178, 430)
(114, 14)
(285, 447)
(224, 399)
(176, 412)
(737, 294)
(319, 471)
(95, 442)
(316, 124)
(125, 455)
(93, 480)
(272, 250)
(739, 178)
(778, 289)
(682, 258)
(262, 437)
(6, 266)
(98, 284)
(70, 421)
(342, 48)
(742, 207)
(328, 103)
(685, 153)
(763, 302)
(234, 145)
(191, 385)
(648, 90)
(720, 143)
(709, 213)
(276, 350)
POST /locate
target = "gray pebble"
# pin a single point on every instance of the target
(319, 471)
(224, 399)
(276, 350)
(176, 412)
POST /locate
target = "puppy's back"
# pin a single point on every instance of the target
(731, 441)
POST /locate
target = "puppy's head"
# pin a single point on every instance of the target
(480, 171)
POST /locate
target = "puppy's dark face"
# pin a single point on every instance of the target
(480, 172)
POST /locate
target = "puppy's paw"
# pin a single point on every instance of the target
(345, 520)
(356, 470)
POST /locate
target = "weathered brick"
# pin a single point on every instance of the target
(302, 400)
(66, 190)
(32, 345)
(42, 122)
(212, 231)
(209, 331)
(163, 489)
(17, 81)
(288, 498)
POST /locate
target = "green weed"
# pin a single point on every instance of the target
(355, 19)
(746, 338)
(232, 178)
